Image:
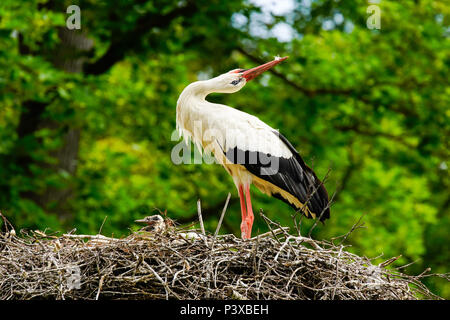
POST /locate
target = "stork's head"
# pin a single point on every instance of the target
(235, 79)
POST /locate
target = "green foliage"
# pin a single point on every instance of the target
(371, 106)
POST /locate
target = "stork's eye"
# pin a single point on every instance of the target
(235, 82)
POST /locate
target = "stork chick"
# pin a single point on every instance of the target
(155, 224)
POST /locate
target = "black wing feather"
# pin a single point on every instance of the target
(290, 174)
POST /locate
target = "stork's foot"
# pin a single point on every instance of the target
(249, 225)
(244, 230)
(246, 227)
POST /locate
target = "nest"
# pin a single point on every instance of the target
(176, 263)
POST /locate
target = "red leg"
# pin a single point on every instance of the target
(244, 227)
(249, 218)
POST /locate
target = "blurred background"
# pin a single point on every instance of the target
(87, 116)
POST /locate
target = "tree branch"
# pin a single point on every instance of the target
(307, 91)
(350, 92)
(129, 41)
(369, 133)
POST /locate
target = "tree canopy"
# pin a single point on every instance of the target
(87, 117)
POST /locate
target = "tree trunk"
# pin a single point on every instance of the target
(68, 56)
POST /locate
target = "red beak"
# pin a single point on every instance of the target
(256, 71)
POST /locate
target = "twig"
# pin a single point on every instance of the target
(100, 286)
(268, 221)
(200, 218)
(389, 261)
(222, 215)
(326, 207)
(355, 226)
(101, 227)
(91, 237)
(274, 232)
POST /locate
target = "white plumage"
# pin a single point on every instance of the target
(219, 129)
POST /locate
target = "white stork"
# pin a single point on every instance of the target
(250, 150)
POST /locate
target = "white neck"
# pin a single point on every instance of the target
(192, 104)
(222, 84)
(197, 90)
